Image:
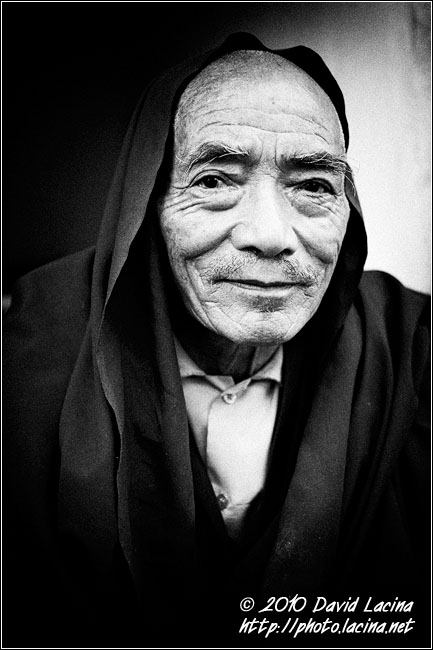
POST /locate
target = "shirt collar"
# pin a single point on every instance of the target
(271, 371)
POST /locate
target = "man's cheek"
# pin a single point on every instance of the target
(178, 238)
(327, 251)
(324, 239)
(190, 246)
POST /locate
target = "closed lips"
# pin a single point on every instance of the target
(257, 283)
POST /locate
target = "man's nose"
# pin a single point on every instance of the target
(266, 223)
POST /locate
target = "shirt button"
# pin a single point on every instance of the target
(229, 398)
(222, 501)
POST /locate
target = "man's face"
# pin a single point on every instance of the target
(255, 211)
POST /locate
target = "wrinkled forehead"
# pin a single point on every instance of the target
(260, 88)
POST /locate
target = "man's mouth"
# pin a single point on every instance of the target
(259, 285)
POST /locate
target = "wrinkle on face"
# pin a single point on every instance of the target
(256, 123)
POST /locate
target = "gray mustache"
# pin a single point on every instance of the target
(287, 270)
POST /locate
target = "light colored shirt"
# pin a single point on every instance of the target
(233, 426)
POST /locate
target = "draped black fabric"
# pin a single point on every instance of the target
(111, 535)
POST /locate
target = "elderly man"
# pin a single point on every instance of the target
(216, 404)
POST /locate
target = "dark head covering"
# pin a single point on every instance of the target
(125, 474)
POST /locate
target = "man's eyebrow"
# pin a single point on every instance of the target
(319, 160)
(210, 151)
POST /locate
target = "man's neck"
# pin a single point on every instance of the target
(216, 355)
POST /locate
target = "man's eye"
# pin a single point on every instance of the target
(316, 187)
(210, 182)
